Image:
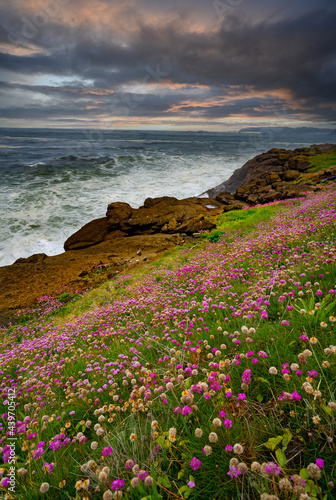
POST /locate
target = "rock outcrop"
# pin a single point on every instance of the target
(166, 215)
(282, 162)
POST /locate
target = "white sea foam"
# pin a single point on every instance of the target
(41, 214)
(57, 181)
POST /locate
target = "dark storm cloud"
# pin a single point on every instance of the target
(291, 59)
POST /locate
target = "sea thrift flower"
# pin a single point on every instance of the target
(238, 449)
(107, 451)
(44, 487)
(272, 469)
(191, 484)
(117, 484)
(195, 463)
(198, 433)
(47, 467)
(213, 438)
(234, 472)
(319, 463)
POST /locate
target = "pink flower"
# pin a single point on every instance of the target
(107, 451)
(117, 484)
(227, 423)
(195, 463)
(241, 396)
(320, 463)
(186, 410)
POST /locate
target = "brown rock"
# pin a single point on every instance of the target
(35, 258)
(252, 199)
(273, 177)
(299, 162)
(225, 197)
(21, 284)
(270, 197)
(116, 213)
(92, 233)
(291, 175)
(165, 214)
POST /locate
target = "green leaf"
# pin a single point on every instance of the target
(327, 410)
(262, 380)
(183, 489)
(281, 457)
(180, 474)
(260, 398)
(286, 439)
(272, 443)
(304, 473)
(188, 383)
(164, 481)
(311, 487)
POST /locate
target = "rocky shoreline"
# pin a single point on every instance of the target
(126, 237)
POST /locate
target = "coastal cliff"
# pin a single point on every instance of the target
(127, 237)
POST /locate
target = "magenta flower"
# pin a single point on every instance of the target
(191, 484)
(228, 447)
(320, 463)
(195, 463)
(186, 410)
(241, 396)
(47, 467)
(246, 377)
(117, 484)
(222, 414)
(107, 451)
(234, 472)
(142, 474)
(272, 469)
(227, 423)
(5, 482)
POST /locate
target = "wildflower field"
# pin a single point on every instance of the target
(208, 374)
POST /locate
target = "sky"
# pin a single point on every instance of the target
(214, 65)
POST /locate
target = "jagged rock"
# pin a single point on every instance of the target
(273, 161)
(273, 177)
(252, 199)
(165, 214)
(225, 197)
(299, 162)
(291, 175)
(236, 205)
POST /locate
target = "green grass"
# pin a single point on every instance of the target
(244, 220)
(321, 162)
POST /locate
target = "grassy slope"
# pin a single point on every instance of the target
(151, 357)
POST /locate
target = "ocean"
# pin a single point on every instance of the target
(54, 181)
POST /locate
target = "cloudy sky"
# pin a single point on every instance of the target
(183, 64)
